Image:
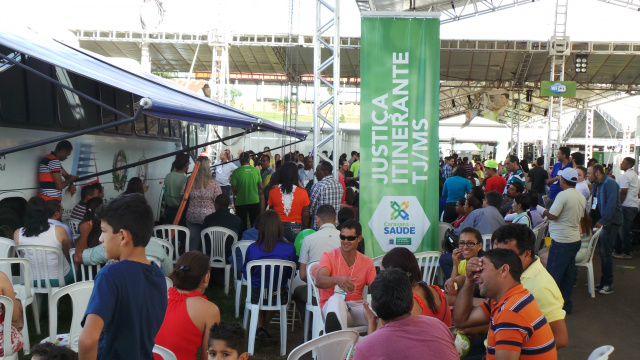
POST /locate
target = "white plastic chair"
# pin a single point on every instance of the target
(168, 248)
(154, 259)
(164, 353)
(86, 271)
(336, 345)
(6, 329)
(588, 261)
(377, 261)
(169, 283)
(238, 280)
(80, 293)
(171, 233)
(271, 302)
(218, 258)
(540, 235)
(442, 228)
(24, 293)
(310, 308)
(7, 248)
(601, 353)
(74, 225)
(429, 263)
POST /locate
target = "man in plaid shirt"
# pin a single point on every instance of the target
(447, 169)
(326, 191)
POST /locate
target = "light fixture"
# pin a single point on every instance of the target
(581, 64)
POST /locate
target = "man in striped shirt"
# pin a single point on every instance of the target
(50, 173)
(518, 329)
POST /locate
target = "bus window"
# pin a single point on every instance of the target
(40, 94)
(13, 103)
(147, 125)
(190, 138)
(170, 129)
(76, 112)
(120, 100)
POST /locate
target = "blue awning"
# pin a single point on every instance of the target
(168, 99)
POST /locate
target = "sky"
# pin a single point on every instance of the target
(587, 20)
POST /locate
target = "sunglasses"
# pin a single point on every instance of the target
(350, 238)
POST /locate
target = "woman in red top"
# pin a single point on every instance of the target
(290, 201)
(428, 300)
(189, 314)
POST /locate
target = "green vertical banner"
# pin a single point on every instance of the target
(400, 74)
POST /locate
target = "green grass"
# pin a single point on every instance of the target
(226, 303)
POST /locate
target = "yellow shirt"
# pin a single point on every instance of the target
(539, 282)
(462, 267)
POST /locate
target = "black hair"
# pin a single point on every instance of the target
(189, 270)
(134, 186)
(181, 161)
(523, 200)
(565, 151)
(465, 159)
(514, 159)
(98, 187)
(391, 294)
(132, 213)
(598, 168)
(570, 183)
(524, 237)
(327, 213)
(93, 204)
(36, 220)
(352, 224)
(533, 199)
(631, 161)
(493, 199)
(344, 214)
(326, 167)
(233, 334)
(474, 231)
(461, 201)
(460, 171)
(403, 259)
(51, 351)
(87, 191)
(53, 206)
(578, 158)
(222, 201)
(245, 158)
(64, 145)
(288, 177)
(354, 153)
(477, 193)
(540, 161)
(500, 257)
(267, 156)
(524, 165)
(518, 185)
(270, 232)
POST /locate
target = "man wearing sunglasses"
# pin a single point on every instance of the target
(342, 275)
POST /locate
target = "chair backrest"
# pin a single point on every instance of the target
(172, 233)
(592, 248)
(25, 274)
(335, 345)
(164, 353)
(154, 259)
(240, 246)
(429, 263)
(7, 247)
(74, 225)
(377, 261)
(272, 271)
(39, 257)
(442, 229)
(312, 271)
(80, 293)
(601, 353)
(217, 238)
(166, 245)
(541, 234)
(6, 330)
(169, 282)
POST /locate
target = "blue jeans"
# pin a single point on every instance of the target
(561, 265)
(195, 242)
(291, 231)
(446, 264)
(605, 249)
(227, 190)
(623, 242)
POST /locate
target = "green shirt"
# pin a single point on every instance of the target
(246, 179)
(355, 167)
(172, 187)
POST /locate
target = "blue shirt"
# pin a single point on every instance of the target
(554, 189)
(282, 251)
(609, 207)
(131, 298)
(455, 188)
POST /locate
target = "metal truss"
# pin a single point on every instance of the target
(628, 4)
(329, 25)
(219, 81)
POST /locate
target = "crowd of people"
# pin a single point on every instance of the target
(510, 299)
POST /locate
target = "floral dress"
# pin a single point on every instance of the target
(16, 335)
(201, 201)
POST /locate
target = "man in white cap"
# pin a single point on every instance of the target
(564, 228)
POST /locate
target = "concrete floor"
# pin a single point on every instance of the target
(606, 319)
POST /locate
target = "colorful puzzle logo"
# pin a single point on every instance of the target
(399, 210)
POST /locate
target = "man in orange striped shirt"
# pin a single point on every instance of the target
(50, 173)
(518, 329)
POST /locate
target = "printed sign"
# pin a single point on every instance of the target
(558, 88)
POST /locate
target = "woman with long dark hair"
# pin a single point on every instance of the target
(428, 300)
(135, 186)
(189, 314)
(455, 188)
(290, 201)
(271, 244)
(89, 230)
(38, 231)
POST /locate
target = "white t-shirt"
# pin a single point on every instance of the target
(569, 208)
(629, 181)
(314, 245)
